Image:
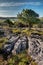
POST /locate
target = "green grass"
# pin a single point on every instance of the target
(26, 31)
(2, 41)
(21, 59)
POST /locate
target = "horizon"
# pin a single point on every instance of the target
(10, 8)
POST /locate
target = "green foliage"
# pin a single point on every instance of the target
(33, 63)
(20, 59)
(41, 18)
(22, 63)
(10, 61)
(26, 13)
(40, 25)
(20, 24)
(9, 22)
(2, 41)
(28, 16)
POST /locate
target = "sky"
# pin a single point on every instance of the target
(10, 8)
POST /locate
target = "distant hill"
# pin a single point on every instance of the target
(2, 19)
(8, 18)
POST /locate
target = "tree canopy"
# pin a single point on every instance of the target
(28, 15)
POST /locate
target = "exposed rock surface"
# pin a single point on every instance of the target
(15, 44)
(36, 48)
(34, 44)
(20, 45)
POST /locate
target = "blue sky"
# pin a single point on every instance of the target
(10, 8)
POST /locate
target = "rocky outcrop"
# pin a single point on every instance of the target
(36, 48)
(20, 45)
(15, 44)
(8, 46)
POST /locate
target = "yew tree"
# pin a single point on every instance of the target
(28, 16)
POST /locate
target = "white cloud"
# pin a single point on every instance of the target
(19, 4)
(7, 13)
(2, 11)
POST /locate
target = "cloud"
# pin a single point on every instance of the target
(8, 4)
(8, 13)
